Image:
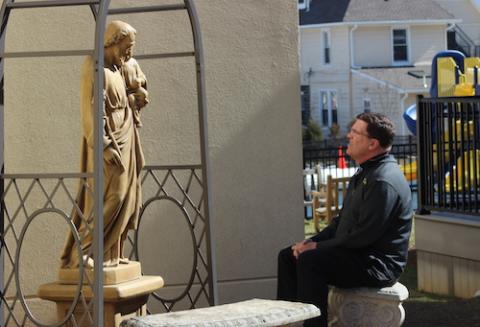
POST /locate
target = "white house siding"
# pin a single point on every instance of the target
(312, 54)
(334, 76)
(382, 99)
(426, 41)
(372, 46)
(470, 16)
(311, 50)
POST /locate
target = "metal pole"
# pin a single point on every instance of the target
(98, 58)
(4, 13)
(133, 10)
(50, 3)
(203, 127)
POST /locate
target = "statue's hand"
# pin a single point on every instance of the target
(112, 157)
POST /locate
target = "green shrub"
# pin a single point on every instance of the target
(312, 132)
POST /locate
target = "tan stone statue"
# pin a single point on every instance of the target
(124, 96)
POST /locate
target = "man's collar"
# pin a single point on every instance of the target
(374, 159)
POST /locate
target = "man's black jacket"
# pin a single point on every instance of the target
(375, 220)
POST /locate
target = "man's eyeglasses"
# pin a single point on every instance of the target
(354, 131)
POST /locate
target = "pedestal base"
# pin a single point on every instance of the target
(111, 275)
(121, 301)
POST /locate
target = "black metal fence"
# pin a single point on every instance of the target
(329, 155)
(333, 154)
(449, 153)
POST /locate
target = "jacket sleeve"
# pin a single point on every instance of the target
(374, 217)
(328, 232)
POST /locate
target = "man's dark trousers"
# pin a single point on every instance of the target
(306, 279)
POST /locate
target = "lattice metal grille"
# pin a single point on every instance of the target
(183, 187)
(27, 198)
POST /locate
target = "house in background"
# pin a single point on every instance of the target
(368, 55)
(464, 36)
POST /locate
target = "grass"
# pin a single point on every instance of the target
(425, 309)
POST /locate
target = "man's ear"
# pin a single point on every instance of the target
(374, 143)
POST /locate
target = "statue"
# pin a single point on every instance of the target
(125, 95)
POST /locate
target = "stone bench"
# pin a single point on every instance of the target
(365, 306)
(251, 313)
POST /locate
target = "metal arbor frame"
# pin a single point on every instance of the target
(17, 189)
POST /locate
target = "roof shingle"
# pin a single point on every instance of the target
(350, 11)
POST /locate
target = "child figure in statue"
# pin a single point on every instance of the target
(124, 95)
(136, 83)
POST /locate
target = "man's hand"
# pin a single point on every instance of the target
(300, 247)
(112, 157)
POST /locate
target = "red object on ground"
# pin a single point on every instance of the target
(341, 159)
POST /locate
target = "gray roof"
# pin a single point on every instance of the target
(405, 78)
(350, 11)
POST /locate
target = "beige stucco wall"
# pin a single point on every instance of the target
(252, 79)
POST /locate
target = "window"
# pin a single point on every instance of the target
(367, 106)
(304, 4)
(326, 47)
(328, 106)
(400, 45)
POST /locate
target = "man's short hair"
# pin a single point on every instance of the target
(379, 127)
(116, 31)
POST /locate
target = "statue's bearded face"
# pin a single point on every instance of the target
(124, 50)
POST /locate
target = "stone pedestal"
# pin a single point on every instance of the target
(367, 307)
(111, 275)
(122, 300)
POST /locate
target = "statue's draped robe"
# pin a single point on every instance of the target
(121, 190)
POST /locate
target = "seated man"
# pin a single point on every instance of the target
(367, 244)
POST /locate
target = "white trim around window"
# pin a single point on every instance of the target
(327, 107)
(406, 43)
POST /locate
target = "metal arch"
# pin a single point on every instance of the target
(98, 57)
(203, 124)
(101, 15)
(100, 11)
(4, 15)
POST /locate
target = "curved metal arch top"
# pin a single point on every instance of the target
(100, 10)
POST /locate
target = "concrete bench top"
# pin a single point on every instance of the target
(251, 313)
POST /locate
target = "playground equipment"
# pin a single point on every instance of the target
(455, 81)
(410, 117)
(463, 172)
(453, 75)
